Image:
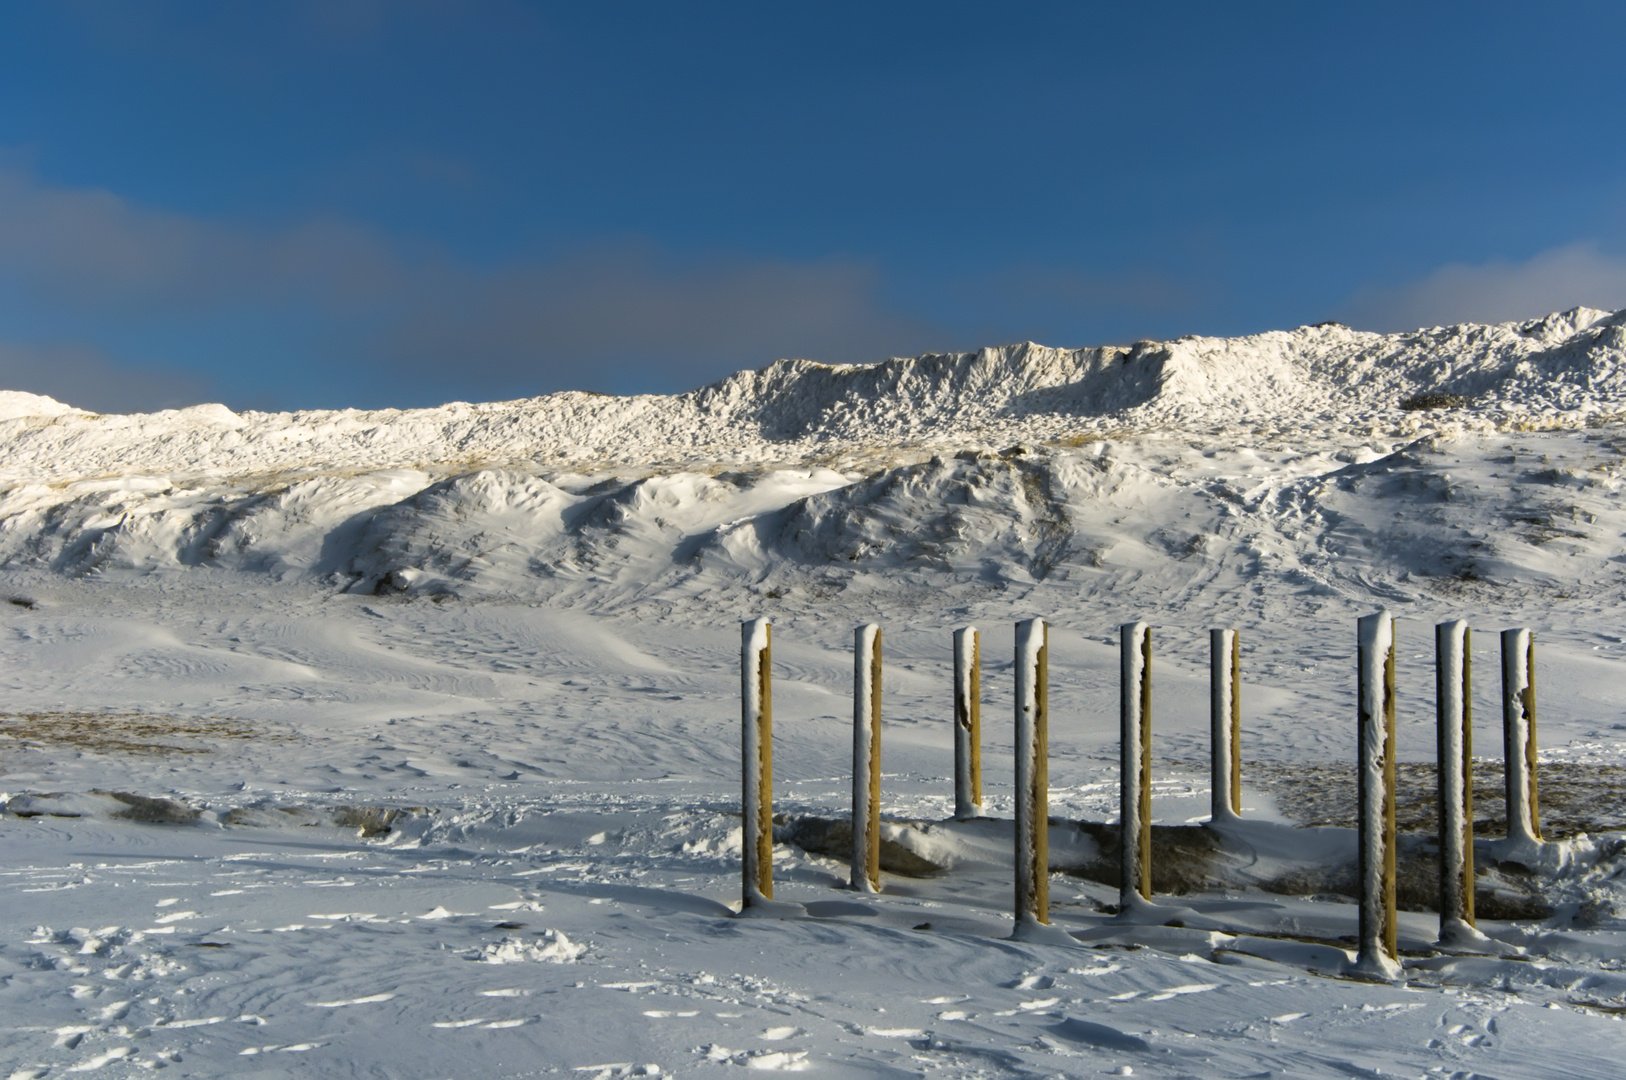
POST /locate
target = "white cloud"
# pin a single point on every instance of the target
(93, 249)
(1575, 275)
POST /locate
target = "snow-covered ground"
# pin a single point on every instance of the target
(406, 744)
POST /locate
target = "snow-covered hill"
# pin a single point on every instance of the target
(1325, 378)
(472, 670)
(1196, 461)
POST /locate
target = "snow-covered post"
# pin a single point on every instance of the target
(756, 760)
(967, 723)
(1135, 772)
(1453, 678)
(1225, 720)
(1519, 734)
(1032, 772)
(866, 864)
(1376, 707)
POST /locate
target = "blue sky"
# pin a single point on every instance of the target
(402, 202)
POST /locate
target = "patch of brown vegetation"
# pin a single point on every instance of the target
(1574, 798)
(834, 840)
(1182, 856)
(144, 734)
(152, 811)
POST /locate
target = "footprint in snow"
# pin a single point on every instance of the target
(371, 999)
(1188, 988)
(1031, 982)
(175, 916)
(106, 1057)
(118, 1010)
(782, 1060)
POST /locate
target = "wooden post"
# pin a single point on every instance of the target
(866, 862)
(1453, 682)
(1135, 765)
(1519, 734)
(1225, 722)
(967, 723)
(756, 803)
(1379, 946)
(1032, 772)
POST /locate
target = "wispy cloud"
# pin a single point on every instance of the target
(598, 317)
(632, 307)
(91, 248)
(1558, 279)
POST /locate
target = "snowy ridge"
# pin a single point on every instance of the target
(789, 475)
(1328, 375)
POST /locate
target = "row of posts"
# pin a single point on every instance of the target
(1376, 771)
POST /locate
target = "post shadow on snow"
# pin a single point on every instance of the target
(1197, 864)
(663, 901)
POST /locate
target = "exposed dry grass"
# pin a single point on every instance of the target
(1573, 798)
(144, 734)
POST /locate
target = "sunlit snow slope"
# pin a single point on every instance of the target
(407, 743)
(1165, 472)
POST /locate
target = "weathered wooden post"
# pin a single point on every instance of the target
(967, 723)
(1225, 720)
(1032, 772)
(1519, 735)
(1453, 679)
(1135, 771)
(866, 863)
(756, 759)
(1375, 696)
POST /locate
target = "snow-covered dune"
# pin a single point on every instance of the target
(1197, 456)
(407, 742)
(1325, 376)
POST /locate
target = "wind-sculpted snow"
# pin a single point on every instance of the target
(978, 465)
(977, 515)
(1328, 376)
(410, 741)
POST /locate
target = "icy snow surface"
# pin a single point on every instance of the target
(407, 743)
